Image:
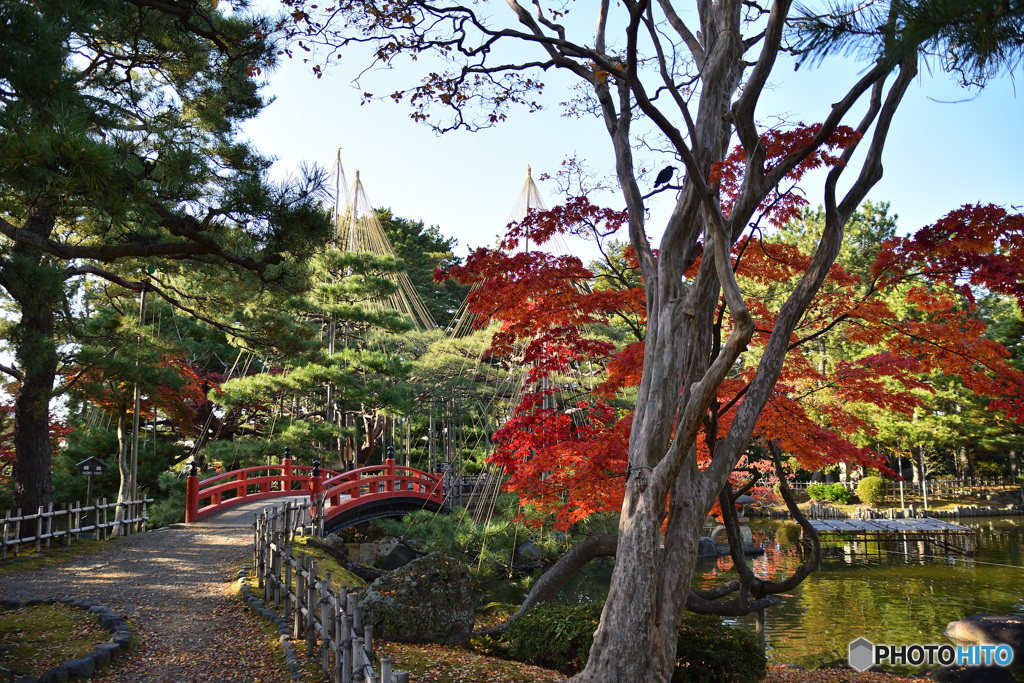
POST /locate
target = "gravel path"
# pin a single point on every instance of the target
(176, 588)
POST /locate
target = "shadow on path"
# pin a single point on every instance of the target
(176, 587)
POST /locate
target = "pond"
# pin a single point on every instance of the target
(897, 595)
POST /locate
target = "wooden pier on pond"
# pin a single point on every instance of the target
(946, 535)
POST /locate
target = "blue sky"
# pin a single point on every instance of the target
(948, 145)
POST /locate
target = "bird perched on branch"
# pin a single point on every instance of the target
(664, 176)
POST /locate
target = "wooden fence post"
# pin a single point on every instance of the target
(39, 527)
(339, 635)
(7, 524)
(325, 625)
(352, 607)
(357, 657)
(311, 610)
(300, 594)
(288, 583)
(346, 649)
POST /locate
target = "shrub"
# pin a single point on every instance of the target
(712, 652)
(553, 635)
(171, 508)
(837, 493)
(559, 636)
(872, 490)
(799, 495)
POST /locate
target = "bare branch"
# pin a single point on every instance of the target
(12, 371)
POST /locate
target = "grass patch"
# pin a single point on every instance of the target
(35, 639)
(50, 557)
(325, 563)
(781, 674)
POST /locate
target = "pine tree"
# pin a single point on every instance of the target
(119, 144)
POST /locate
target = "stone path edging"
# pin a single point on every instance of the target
(82, 667)
(282, 625)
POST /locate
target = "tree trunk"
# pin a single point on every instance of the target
(1014, 462)
(32, 475)
(963, 462)
(568, 565)
(648, 592)
(123, 466)
(38, 290)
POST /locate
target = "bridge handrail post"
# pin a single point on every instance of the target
(192, 493)
(316, 488)
(243, 488)
(286, 469)
(389, 472)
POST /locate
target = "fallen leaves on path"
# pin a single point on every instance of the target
(450, 664)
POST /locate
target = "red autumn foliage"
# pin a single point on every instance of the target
(781, 207)
(177, 403)
(569, 458)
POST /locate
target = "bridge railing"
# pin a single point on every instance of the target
(380, 481)
(248, 484)
(342, 490)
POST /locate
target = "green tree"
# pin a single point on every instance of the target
(975, 39)
(345, 381)
(118, 144)
(422, 250)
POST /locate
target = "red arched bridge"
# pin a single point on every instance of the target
(350, 498)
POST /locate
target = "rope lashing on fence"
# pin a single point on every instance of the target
(329, 621)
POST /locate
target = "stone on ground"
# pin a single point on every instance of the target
(428, 600)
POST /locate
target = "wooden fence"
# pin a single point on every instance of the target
(71, 521)
(937, 488)
(329, 621)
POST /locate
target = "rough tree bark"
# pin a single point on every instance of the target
(38, 290)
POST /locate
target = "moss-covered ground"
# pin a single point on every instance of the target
(35, 639)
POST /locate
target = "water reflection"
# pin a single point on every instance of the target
(887, 593)
(898, 594)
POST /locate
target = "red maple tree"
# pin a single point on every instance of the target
(567, 455)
